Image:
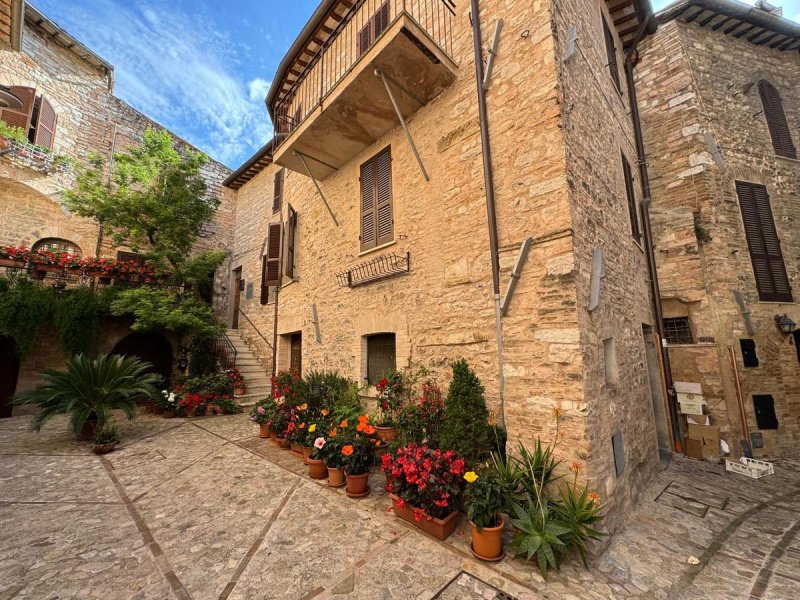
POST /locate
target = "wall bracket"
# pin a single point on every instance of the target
(512, 284)
(487, 75)
(302, 158)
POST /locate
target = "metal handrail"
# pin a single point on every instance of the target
(253, 325)
(224, 346)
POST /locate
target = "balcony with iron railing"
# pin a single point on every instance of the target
(383, 57)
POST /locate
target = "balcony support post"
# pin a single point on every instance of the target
(379, 73)
(302, 158)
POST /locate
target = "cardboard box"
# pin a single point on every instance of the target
(708, 436)
(694, 449)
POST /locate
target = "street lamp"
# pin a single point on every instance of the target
(785, 324)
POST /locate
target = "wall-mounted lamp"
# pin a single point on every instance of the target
(785, 324)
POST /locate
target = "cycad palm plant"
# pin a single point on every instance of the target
(90, 388)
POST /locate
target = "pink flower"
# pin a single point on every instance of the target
(261, 410)
(319, 443)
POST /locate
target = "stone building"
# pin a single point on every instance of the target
(351, 252)
(68, 107)
(719, 93)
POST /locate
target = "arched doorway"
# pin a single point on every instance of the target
(150, 346)
(9, 372)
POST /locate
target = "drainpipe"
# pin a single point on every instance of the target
(490, 204)
(630, 63)
(17, 23)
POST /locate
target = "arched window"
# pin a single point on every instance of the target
(776, 120)
(56, 245)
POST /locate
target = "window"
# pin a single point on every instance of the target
(377, 225)
(56, 245)
(611, 55)
(677, 330)
(629, 192)
(36, 117)
(381, 356)
(762, 240)
(764, 405)
(291, 233)
(618, 448)
(376, 25)
(749, 356)
(277, 196)
(131, 257)
(776, 120)
(610, 361)
(271, 262)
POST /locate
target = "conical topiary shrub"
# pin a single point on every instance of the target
(465, 428)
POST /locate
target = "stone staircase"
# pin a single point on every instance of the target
(249, 365)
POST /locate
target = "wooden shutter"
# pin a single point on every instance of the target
(376, 201)
(629, 192)
(762, 240)
(776, 120)
(291, 229)
(264, 286)
(20, 117)
(363, 38)
(373, 28)
(273, 264)
(277, 196)
(45, 125)
(611, 55)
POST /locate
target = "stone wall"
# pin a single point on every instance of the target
(550, 186)
(5, 23)
(692, 80)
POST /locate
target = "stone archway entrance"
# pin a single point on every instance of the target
(150, 346)
(9, 373)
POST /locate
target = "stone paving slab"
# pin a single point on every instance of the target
(54, 479)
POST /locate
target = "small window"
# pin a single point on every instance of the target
(56, 245)
(631, 195)
(381, 356)
(764, 405)
(610, 361)
(749, 356)
(776, 120)
(611, 55)
(678, 331)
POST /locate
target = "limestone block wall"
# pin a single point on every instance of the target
(694, 80)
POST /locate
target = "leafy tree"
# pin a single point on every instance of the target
(76, 314)
(159, 309)
(23, 309)
(465, 428)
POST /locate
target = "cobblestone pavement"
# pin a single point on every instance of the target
(203, 509)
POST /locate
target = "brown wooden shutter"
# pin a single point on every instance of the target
(363, 38)
(762, 240)
(629, 192)
(380, 22)
(277, 196)
(291, 229)
(776, 120)
(611, 55)
(383, 197)
(45, 125)
(368, 233)
(273, 274)
(264, 286)
(20, 117)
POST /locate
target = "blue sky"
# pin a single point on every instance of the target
(202, 67)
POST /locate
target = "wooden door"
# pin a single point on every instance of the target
(296, 353)
(237, 297)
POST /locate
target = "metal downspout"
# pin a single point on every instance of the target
(17, 23)
(655, 289)
(490, 204)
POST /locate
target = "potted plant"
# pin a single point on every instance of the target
(106, 440)
(89, 389)
(262, 414)
(278, 425)
(357, 455)
(485, 498)
(192, 405)
(426, 486)
(169, 404)
(309, 439)
(316, 464)
(333, 458)
(390, 399)
(239, 386)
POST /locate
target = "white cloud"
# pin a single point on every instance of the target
(178, 69)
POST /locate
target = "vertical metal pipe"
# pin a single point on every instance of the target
(488, 177)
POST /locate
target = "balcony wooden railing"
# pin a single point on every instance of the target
(362, 26)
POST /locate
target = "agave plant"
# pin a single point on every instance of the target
(90, 388)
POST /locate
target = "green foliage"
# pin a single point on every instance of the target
(158, 309)
(219, 384)
(537, 467)
(347, 405)
(107, 435)
(23, 309)
(90, 389)
(541, 535)
(263, 411)
(420, 420)
(77, 318)
(465, 428)
(510, 477)
(13, 133)
(203, 360)
(485, 498)
(579, 511)
(156, 201)
(198, 272)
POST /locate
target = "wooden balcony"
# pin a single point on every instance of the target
(338, 104)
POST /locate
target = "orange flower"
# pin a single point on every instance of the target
(576, 467)
(302, 426)
(557, 412)
(303, 406)
(594, 497)
(369, 429)
(360, 427)
(332, 433)
(362, 419)
(347, 450)
(325, 412)
(378, 442)
(343, 423)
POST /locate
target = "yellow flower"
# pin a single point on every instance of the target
(470, 476)
(312, 429)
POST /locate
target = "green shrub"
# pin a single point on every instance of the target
(465, 428)
(203, 357)
(23, 309)
(77, 319)
(541, 536)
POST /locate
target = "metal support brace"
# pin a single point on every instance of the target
(487, 76)
(316, 185)
(523, 254)
(315, 322)
(379, 73)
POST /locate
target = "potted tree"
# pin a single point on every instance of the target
(485, 498)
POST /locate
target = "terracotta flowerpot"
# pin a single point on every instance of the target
(239, 391)
(357, 485)
(378, 451)
(169, 413)
(263, 430)
(316, 468)
(104, 448)
(386, 434)
(211, 408)
(159, 410)
(487, 544)
(336, 477)
(297, 449)
(149, 407)
(307, 450)
(438, 528)
(282, 443)
(89, 429)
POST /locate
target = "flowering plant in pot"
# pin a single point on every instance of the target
(485, 498)
(262, 414)
(357, 454)
(331, 453)
(192, 404)
(239, 386)
(316, 463)
(106, 439)
(419, 420)
(278, 425)
(167, 403)
(426, 484)
(390, 389)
